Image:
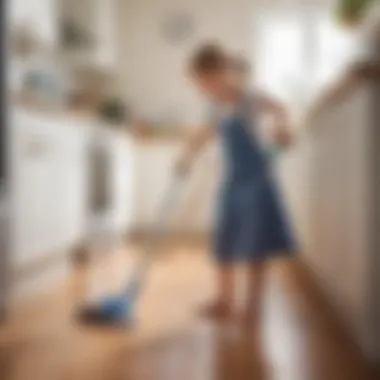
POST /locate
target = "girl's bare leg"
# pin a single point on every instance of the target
(223, 305)
(256, 281)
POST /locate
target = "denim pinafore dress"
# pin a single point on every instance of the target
(251, 224)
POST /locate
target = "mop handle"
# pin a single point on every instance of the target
(166, 207)
(167, 204)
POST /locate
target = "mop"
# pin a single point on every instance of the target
(118, 309)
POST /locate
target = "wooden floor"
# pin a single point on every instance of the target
(297, 341)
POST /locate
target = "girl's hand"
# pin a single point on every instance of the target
(283, 137)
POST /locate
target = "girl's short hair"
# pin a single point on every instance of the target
(208, 58)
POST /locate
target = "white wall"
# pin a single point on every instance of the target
(153, 70)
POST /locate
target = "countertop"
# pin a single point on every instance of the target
(86, 117)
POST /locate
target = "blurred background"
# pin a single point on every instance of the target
(98, 107)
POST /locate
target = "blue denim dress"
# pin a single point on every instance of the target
(251, 222)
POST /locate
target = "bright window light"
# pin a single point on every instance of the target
(298, 53)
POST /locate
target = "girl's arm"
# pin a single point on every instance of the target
(280, 118)
(193, 147)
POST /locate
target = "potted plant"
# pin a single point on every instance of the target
(112, 110)
(350, 12)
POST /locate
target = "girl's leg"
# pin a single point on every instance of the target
(223, 305)
(226, 288)
(256, 280)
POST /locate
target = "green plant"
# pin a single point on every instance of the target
(350, 12)
(113, 110)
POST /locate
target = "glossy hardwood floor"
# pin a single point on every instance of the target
(297, 340)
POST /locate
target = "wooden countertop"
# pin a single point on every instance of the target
(143, 136)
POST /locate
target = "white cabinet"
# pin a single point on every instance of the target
(94, 20)
(337, 213)
(47, 168)
(40, 15)
(49, 187)
(49, 194)
(116, 215)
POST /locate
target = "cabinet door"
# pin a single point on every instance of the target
(88, 30)
(71, 182)
(121, 182)
(111, 180)
(47, 186)
(30, 189)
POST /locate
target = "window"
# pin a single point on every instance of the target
(279, 61)
(336, 47)
(298, 52)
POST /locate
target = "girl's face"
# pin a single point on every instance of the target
(212, 84)
(241, 77)
(241, 72)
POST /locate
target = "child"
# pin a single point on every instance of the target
(241, 71)
(251, 226)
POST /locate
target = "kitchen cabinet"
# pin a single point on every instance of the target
(110, 180)
(87, 31)
(338, 212)
(49, 188)
(41, 16)
(47, 185)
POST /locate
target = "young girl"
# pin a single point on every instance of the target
(241, 71)
(251, 226)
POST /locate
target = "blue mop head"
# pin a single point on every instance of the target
(116, 310)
